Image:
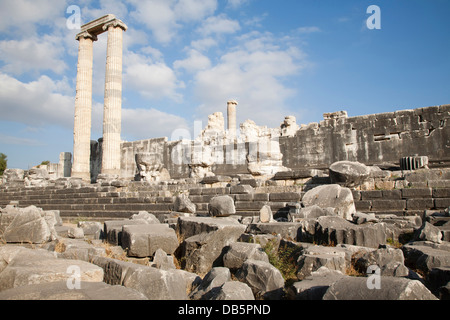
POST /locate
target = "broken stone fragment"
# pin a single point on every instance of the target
(331, 196)
(222, 206)
(349, 174)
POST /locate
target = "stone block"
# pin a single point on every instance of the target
(363, 205)
(388, 205)
(157, 284)
(334, 196)
(416, 193)
(144, 240)
(327, 230)
(391, 288)
(419, 204)
(441, 193)
(35, 266)
(349, 173)
(442, 203)
(239, 252)
(242, 189)
(261, 197)
(191, 226)
(263, 278)
(249, 206)
(287, 230)
(314, 287)
(59, 290)
(392, 194)
(244, 197)
(231, 290)
(372, 194)
(196, 191)
(113, 229)
(425, 256)
(285, 196)
(29, 225)
(315, 257)
(222, 206)
(202, 252)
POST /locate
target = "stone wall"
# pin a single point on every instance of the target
(370, 139)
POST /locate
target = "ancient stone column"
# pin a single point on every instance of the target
(112, 113)
(232, 118)
(83, 108)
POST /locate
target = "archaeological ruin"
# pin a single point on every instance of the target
(348, 208)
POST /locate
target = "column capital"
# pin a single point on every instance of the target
(232, 102)
(86, 35)
(115, 23)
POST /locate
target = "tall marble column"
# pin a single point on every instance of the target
(231, 114)
(83, 108)
(112, 113)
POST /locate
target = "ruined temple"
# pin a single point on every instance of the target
(198, 218)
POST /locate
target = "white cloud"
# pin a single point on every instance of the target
(22, 16)
(194, 62)
(194, 10)
(256, 75)
(37, 103)
(149, 123)
(32, 54)
(116, 7)
(152, 80)
(165, 17)
(204, 44)
(219, 25)
(158, 16)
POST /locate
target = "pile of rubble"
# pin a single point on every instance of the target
(327, 250)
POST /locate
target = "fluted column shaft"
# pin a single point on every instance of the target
(112, 113)
(83, 108)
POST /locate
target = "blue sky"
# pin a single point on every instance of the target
(183, 59)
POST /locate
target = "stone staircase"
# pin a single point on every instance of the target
(106, 202)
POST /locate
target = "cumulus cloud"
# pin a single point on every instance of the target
(165, 17)
(32, 54)
(145, 123)
(219, 25)
(256, 75)
(36, 103)
(23, 16)
(152, 79)
(194, 62)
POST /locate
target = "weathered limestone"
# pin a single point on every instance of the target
(144, 240)
(64, 165)
(263, 278)
(222, 206)
(151, 168)
(112, 114)
(239, 252)
(83, 108)
(391, 288)
(31, 225)
(60, 291)
(289, 127)
(334, 196)
(349, 174)
(28, 266)
(214, 278)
